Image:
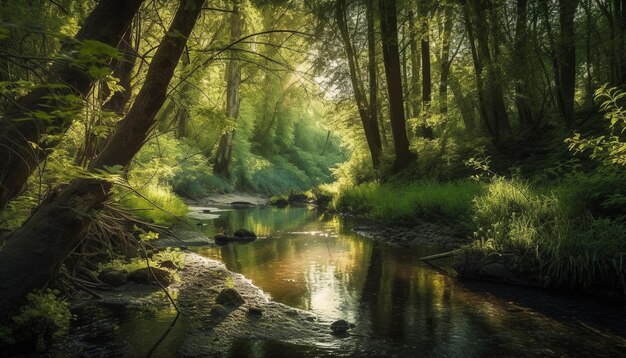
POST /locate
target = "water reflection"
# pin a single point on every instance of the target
(318, 264)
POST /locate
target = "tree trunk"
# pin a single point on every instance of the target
(486, 66)
(391, 58)
(122, 70)
(370, 127)
(224, 152)
(520, 64)
(445, 59)
(32, 254)
(466, 106)
(567, 58)
(373, 85)
(426, 73)
(414, 90)
(32, 117)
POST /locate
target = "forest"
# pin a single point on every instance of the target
(314, 178)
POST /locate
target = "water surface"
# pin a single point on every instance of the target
(317, 263)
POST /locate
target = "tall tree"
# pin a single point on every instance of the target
(370, 125)
(426, 73)
(391, 59)
(36, 114)
(32, 254)
(520, 61)
(224, 152)
(481, 25)
(567, 59)
(444, 73)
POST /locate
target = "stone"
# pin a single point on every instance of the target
(243, 233)
(206, 211)
(113, 277)
(229, 297)
(255, 311)
(281, 202)
(169, 264)
(241, 204)
(151, 275)
(218, 310)
(340, 326)
(496, 271)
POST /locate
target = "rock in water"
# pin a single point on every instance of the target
(221, 239)
(496, 271)
(340, 326)
(229, 297)
(151, 275)
(113, 277)
(243, 233)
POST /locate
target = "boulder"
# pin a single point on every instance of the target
(255, 311)
(218, 310)
(244, 234)
(229, 297)
(241, 204)
(241, 235)
(168, 264)
(151, 275)
(339, 327)
(496, 271)
(113, 277)
(281, 202)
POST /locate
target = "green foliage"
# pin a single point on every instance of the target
(545, 237)
(611, 148)
(157, 204)
(44, 319)
(408, 202)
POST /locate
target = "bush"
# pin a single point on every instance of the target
(44, 319)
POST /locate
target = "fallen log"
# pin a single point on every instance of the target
(442, 255)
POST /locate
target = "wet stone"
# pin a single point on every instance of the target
(229, 297)
(218, 310)
(340, 326)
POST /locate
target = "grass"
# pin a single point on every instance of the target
(568, 235)
(547, 236)
(406, 202)
(156, 204)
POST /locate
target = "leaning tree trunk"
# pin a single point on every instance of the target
(391, 59)
(33, 116)
(224, 152)
(32, 254)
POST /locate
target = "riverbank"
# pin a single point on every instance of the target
(516, 232)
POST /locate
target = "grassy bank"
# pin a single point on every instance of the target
(568, 234)
(409, 201)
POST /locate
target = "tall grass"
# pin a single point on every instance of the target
(157, 204)
(406, 202)
(544, 237)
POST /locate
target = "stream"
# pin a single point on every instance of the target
(317, 263)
